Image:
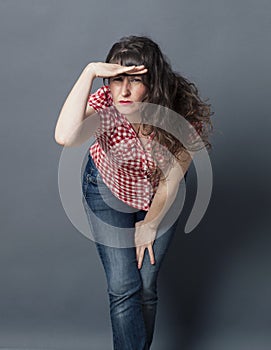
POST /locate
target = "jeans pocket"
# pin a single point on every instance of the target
(90, 182)
(91, 178)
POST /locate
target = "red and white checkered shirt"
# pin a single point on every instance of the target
(125, 165)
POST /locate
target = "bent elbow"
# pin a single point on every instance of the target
(60, 140)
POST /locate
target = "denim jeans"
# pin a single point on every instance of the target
(132, 292)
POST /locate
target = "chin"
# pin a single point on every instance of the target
(127, 109)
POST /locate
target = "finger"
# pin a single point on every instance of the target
(151, 254)
(123, 69)
(137, 252)
(142, 71)
(140, 67)
(137, 69)
(140, 257)
(127, 68)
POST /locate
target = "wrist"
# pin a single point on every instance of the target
(153, 224)
(90, 69)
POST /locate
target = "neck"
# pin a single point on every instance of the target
(136, 127)
(134, 118)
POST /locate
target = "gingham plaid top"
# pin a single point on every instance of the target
(125, 165)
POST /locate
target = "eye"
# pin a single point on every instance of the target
(136, 79)
(119, 78)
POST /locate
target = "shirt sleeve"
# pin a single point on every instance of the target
(101, 98)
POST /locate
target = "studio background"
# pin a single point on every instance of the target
(215, 283)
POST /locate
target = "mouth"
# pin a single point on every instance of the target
(125, 102)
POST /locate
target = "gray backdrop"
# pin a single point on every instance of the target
(215, 283)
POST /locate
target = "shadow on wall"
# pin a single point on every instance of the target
(213, 282)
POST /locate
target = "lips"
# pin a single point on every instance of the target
(124, 102)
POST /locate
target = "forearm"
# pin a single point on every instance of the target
(162, 201)
(73, 110)
(69, 128)
(167, 190)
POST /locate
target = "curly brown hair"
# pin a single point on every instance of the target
(165, 88)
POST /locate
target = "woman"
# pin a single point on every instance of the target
(130, 183)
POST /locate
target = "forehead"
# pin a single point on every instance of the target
(127, 57)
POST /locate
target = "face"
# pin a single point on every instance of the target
(126, 90)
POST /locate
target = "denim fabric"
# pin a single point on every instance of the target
(132, 292)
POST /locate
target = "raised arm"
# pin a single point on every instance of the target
(75, 109)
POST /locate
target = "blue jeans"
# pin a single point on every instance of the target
(132, 292)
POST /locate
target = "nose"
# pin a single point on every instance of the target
(125, 88)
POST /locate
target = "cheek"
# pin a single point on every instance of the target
(111, 87)
(113, 90)
(142, 93)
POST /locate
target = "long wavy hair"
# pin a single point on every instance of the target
(165, 88)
